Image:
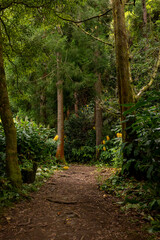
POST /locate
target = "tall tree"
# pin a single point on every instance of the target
(125, 89)
(60, 114)
(76, 103)
(43, 114)
(12, 166)
(127, 95)
(144, 11)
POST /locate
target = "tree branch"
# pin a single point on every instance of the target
(9, 39)
(24, 4)
(16, 70)
(96, 38)
(8, 55)
(85, 20)
(145, 88)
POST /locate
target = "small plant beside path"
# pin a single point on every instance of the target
(141, 196)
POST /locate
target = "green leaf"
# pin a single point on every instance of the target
(149, 172)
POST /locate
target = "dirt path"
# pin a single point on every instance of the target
(70, 207)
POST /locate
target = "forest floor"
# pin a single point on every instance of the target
(69, 206)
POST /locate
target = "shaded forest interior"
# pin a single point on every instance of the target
(79, 84)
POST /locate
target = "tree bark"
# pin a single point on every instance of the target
(76, 103)
(125, 89)
(60, 118)
(155, 70)
(12, 167)
(43, 114)
(144, 10)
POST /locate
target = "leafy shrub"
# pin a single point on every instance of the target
(80, 141)
(34, 143)
(10, 194)
(110, 151)
(146, 157)
(80, 137)
(85, 154)
(142, 196)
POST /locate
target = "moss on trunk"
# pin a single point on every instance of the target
(125, 88)
(12, 166)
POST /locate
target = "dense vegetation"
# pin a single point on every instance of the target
(66, 59)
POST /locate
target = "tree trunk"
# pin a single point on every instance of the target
(125, 89)
(12, 166)
(60, 118)
(67, 114)
(98, 112)
(76, 103)
(43, 114)
(144, 10)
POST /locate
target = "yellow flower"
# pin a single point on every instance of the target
(55, 138)
(94, 128)
(65, 167)
(104, 148)
(108, 138)
(103, 141)
(119, 135)
(87, 106)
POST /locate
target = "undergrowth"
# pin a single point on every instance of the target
(10, 194)
(142, 196)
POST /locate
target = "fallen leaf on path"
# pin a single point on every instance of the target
(66, 167)
(8, 219)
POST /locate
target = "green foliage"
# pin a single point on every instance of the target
(7, 192)
(116, 152)
(110, 151)
(10, 195)
(104, 150)
(30, 64)
(80, 136)
(35, 144)
(85, 154)
(80, 139)
(111, 114)
(143, 60)
(145, 147)
(142, 196)
(36, 37)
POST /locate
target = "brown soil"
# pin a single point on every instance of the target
(70, 207)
